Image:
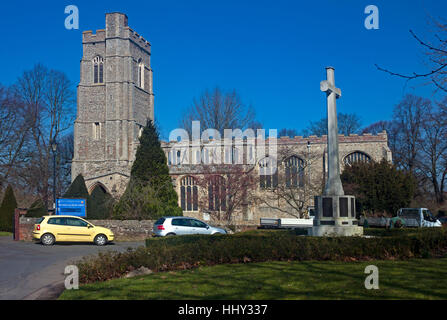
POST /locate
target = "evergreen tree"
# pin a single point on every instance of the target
(9, 204)
(78, 190)
(150, 192)
(379, 186)
(150, 160)
(101, 203)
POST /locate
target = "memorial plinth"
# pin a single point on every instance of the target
(334, 211)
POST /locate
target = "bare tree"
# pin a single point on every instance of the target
(436, 52)
(421, 136)
(219, 110)
(48, 97)
(13, 134)
(409, 116)
(391, 127)
(290, 190)
(226, 190)
(347, 123)
(287, 132)
(418, 140)
(431, 159)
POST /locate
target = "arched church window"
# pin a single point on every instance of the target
(268, 173)
(189, 194)
(98, 70)
(217, 194)
(294, 172)
(356, 156)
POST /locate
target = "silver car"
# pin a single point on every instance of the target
(170, 226)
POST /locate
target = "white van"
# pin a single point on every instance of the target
(418, 217)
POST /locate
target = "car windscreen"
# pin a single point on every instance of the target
(160, 221)
(428, 215)
(40, 220)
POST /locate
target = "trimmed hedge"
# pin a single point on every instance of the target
(185, 252)
(385, 232)
(37, 209)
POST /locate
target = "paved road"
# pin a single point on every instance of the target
(26, 267)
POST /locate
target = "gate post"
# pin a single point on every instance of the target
(16, 225)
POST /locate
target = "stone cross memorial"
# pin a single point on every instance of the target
(334, 211)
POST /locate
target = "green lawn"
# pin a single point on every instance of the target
(5, 234)
(413, 279)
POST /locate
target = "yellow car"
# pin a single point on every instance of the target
(51, 229)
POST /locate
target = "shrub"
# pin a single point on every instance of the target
(37, 209)
(143, 201)
(9, 204)
(379, 186)
(184, 252)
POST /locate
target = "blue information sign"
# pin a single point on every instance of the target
(71, 207)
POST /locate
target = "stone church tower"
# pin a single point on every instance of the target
(114, 102)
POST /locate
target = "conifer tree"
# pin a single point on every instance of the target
(9, 204)
(78, 190)
(101, 203)
(150, 192)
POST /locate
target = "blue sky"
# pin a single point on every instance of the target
(273, 53)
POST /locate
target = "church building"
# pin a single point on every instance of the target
(115, 100)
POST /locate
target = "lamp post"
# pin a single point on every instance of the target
(54, 148)
(308, 158)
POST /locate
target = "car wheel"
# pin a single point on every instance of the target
(170, 234)
(100, 240)
(47, 239)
